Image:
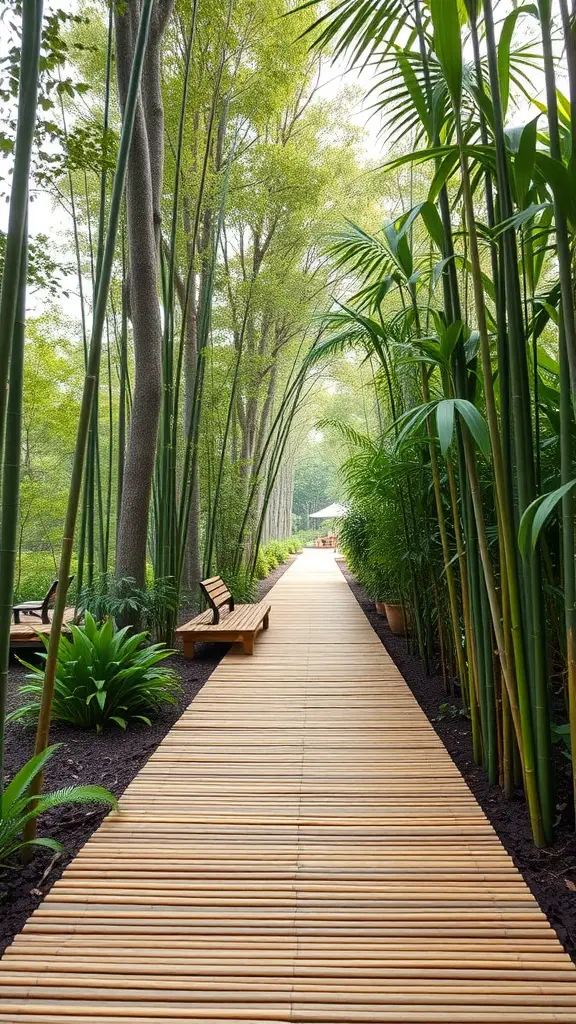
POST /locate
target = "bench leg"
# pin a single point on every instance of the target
(266, 621)
(248, 645)
(188, 648)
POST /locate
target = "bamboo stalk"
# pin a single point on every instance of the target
(12, 315)
(11, 494)
(90, 384)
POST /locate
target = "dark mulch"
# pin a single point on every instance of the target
(111, 759)
(550, 873)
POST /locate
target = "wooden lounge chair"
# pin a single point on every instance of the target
(39, 609)
(239, 624)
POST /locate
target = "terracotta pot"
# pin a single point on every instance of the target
(380, 607)
(395, 616)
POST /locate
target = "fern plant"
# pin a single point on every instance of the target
(153, 606)
(18, 806)
(103, 676)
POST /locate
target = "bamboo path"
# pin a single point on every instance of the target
(299, 848)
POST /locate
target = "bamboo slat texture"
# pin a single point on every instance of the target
(299, 848)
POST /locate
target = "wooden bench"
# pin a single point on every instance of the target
(239, 624)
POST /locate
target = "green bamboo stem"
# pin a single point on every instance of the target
(470, 691)
(523, 447)
(568, 545)
(89, 389)
(211, 528)
(165, 562)
(16, 233)
(11, 494)
(517, 682)
(517, 689)
(446, 553)
(122, 420)
(11, 313)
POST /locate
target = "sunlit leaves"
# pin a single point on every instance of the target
(536, 516)
(448, 46)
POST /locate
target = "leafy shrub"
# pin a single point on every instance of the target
(242, 585)
(293, 545)
(276, 552)
(102, 676)
(304, 537)
(262, 566)
(368, 537)
(18, 807)
(154, 607)
(271, 561)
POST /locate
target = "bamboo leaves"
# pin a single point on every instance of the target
(536, 515)
(445, 413)
(447, 43)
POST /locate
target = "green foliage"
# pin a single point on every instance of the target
(261, 567)
(450, 712)
(103, 676)
(18, 806)
(241, 584)
(368, 537)
(276, 552)
(123, 600)
(35, 571)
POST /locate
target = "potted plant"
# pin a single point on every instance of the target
(383, 586)
(369, 539)
(396, 619)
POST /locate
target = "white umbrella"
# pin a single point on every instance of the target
(333, 511)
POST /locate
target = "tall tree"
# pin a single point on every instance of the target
(143, 210)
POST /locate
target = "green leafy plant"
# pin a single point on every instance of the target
(103, 676)
(262, 566)
(19, 806)
(123, 600)
(368, 538)
(561, 737)
(241, 584)
(276, 551)
(450, 712)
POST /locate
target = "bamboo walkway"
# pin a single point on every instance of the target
(299, 848)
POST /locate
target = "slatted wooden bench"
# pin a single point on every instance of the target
(239, 624)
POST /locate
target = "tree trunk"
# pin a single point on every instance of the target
(143, 191)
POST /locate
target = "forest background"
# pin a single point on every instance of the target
(203, 441)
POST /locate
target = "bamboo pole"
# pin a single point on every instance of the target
(12, 315)
(90, 384)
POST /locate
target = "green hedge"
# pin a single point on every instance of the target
(276, 552)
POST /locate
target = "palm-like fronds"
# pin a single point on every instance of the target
(361, 28)
(19, 806)
(103, 675)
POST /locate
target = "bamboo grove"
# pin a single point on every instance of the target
(225, 242)
(192, 167)
(464, 301)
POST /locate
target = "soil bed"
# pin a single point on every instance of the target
(111, 759)
(550, 873)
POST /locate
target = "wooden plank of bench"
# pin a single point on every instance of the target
(242, 616)
(241, 625)
(25, 632)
